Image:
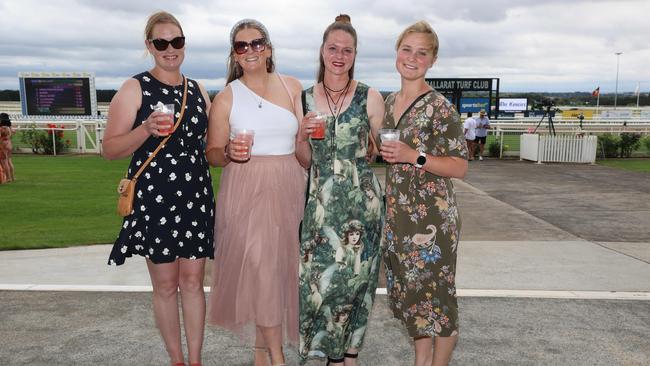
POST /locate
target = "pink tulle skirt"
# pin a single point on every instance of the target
(255, 270)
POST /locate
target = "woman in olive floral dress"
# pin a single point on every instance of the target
(422, 221)
(341, 229)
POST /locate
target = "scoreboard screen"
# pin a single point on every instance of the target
(58, 95)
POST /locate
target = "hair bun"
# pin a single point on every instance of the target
(343, 18)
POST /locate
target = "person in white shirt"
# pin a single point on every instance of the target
(482, 125)
(469, 127)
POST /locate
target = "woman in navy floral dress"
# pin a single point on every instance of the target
(171, 224)
(422, 227)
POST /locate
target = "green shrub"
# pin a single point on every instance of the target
(629, 143)
(609, 145)
(646, 141)
(494, 149)
(41, 141)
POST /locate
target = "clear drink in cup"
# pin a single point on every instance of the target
(388, 134)
(319, 132)
(246, 135)
(169, 124)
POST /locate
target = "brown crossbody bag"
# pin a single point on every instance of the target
(126, 188)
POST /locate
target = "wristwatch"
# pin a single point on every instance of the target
(421, 160)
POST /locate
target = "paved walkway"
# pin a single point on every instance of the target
(554, 268)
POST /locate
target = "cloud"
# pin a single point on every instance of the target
(530, 45)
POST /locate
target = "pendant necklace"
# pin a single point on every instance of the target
(255, 96)
(335, 110)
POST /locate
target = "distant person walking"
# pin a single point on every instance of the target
(469, 127)
(482, 125)
(172, 222)
(6, 148)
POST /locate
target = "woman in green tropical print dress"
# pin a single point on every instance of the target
(422, 222)
(341, 229)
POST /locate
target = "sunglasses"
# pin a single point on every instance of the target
(257, 45)
(162, 44)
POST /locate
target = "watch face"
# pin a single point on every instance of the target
(421, 160)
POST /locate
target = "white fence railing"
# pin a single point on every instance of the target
(87, 134)
(559, 148)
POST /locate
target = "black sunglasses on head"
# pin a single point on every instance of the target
(162, 44)
(257, 45)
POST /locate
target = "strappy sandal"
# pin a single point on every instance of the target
(278, 364)
(335, 360)
(263, 349)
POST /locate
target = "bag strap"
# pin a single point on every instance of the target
(303, 97)
(162, 143)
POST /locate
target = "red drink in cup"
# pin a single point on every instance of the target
(319, 132)
(168, 109)
(244, 138)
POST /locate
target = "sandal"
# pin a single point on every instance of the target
(278, 364)
(335, 360)
(263, 349)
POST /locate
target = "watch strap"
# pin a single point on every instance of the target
(421, 160)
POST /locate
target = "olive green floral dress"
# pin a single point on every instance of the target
(340, 235)
(422, 221)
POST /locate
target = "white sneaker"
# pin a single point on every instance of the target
(480, 158)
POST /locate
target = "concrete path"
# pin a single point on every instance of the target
(554, 269)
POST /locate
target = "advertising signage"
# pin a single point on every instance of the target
(513, 104)
(460, 84)
(474, 105)
(469, 94)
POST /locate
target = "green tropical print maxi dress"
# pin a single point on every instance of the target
(340, 235)
(422, 221)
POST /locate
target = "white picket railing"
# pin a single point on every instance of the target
(88, 133)
(559, 148)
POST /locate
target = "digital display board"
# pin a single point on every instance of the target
(58, 94)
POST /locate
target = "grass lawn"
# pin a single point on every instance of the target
(639, 165)
(59, 201)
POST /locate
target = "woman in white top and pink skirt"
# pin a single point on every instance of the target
(261, 197)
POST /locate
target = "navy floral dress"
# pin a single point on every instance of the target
(422, 227)
(173, 215)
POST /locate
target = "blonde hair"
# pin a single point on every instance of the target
(160, 17)
(424, 28)
(344, 23)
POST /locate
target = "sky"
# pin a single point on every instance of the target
(531, 45)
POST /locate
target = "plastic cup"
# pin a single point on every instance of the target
(388, 134)
(319, 132)
(246, 135)
(169, 124)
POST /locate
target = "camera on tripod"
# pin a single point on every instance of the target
(548, 106)
(545, 103)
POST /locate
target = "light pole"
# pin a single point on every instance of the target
(618, 57)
